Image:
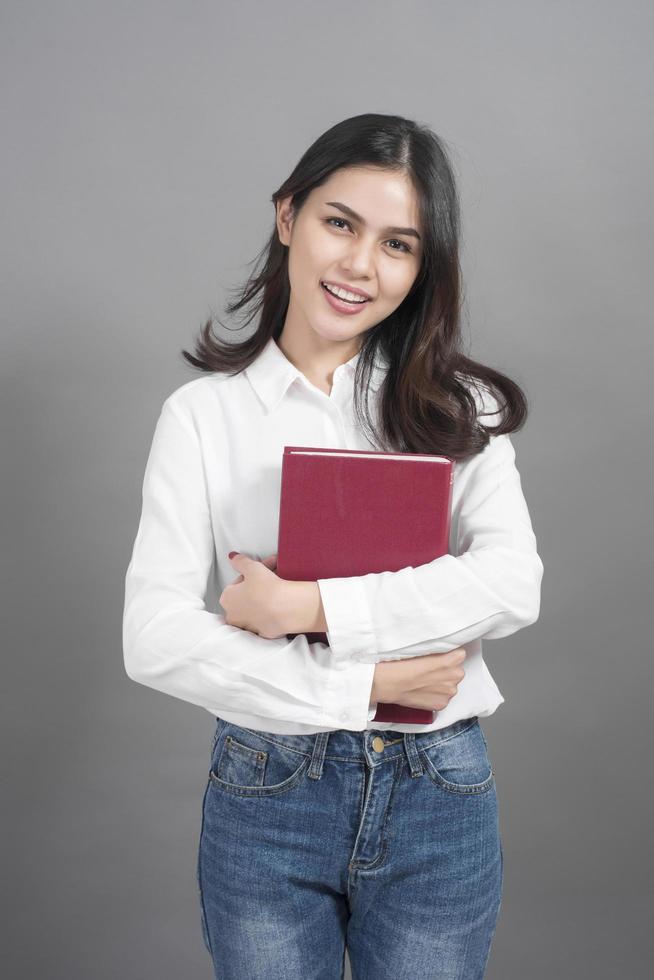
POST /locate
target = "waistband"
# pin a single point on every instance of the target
(370, 746)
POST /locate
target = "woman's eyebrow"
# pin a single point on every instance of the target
(357, 217)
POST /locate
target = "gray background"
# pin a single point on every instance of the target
(141, 143)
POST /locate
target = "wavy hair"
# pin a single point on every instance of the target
(426, 401)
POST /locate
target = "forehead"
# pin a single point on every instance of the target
(381, 197)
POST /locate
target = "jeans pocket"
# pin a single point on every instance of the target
(248, 763)
(459, 763)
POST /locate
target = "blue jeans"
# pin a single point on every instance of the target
(387, 845)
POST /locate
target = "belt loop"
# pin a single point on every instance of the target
(415, 764)
(318, 755)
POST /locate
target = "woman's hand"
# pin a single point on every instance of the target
(429, 681)
(257, 599)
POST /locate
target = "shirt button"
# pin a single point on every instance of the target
(344, 716)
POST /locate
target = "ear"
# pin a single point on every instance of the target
(285, 218)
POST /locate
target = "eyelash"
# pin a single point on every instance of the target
(407, 248)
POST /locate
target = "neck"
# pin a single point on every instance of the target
(316, 358)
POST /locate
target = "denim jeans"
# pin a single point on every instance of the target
(386, 845)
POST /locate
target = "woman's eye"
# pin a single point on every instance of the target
(404, 245)
(342, 220)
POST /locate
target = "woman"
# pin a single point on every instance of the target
(322, 830)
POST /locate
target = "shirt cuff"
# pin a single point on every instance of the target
(349, 633)
(347, 696)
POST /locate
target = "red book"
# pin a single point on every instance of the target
(347, 512)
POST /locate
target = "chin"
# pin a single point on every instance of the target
(337, 335)
(329, 330)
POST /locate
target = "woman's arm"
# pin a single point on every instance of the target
(489, 589)
(172, 643)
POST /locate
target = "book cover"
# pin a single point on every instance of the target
(348, 512)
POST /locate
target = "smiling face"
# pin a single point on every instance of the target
(355, 230)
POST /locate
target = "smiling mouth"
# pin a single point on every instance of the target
(341, 299)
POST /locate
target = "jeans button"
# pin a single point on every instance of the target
(378, 744)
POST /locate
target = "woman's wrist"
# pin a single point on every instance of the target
(304, 611)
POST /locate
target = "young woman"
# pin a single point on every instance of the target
(322, 830)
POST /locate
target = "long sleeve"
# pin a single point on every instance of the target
(489, 587)
(173, 643)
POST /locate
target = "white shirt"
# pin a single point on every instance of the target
(212, 485)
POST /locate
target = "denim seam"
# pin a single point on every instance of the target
(464, 789)
(338, 758)
(355, 865)
(203, 911)
(440, 741)
(237, 790)
(482, 857)
(461, 789)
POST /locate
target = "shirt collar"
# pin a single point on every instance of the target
(271, 373)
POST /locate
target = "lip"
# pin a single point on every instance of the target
(340, 305)
(344, 285)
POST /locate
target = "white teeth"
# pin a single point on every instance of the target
(345, 294)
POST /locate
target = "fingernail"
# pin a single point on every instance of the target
(232, 553)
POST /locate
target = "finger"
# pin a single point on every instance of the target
(239, 560)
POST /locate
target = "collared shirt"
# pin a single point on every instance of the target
(212, 485)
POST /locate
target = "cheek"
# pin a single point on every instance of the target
(295, 268)
(322, 253)
(307, 263)
(397, 285)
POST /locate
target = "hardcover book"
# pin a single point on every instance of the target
(349, 512)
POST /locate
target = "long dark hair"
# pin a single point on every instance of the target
(426, 404)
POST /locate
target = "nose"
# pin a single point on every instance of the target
(358, 260)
